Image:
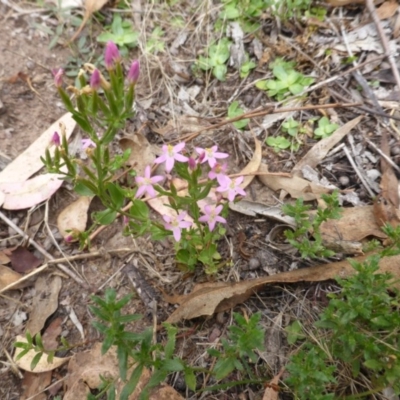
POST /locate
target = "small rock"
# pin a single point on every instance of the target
(254, 263)
(344, 180)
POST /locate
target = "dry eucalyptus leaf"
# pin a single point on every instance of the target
(45, 302)
(8, 276)
(42, 366)
(26, 194)
(22, 260)
(74, 216)
(253, 166)
(318, 152)
(29, 162)
(214, 297)
(142, 154)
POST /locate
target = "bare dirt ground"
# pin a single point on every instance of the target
(172, 103)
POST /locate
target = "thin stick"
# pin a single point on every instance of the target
(62, 267)
(384, 40)
(358, 172)
(382, 154)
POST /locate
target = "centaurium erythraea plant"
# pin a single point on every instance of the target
(102, 106)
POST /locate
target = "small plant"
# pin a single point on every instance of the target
(238, 350)
(246, 67)
(235, 111)
(325, 128)
(217, 56)
(360, 328)
(121, 33)
(196, 218)
(306, 225)
(278, 143)
(287, 81)
(155, 43)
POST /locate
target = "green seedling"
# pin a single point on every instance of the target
(120, 32)
(287, 81)
(278, 143)
(155, 43)
(246, 67)
(325, 128)
(218, 55)
(306, 225)
(235, 111)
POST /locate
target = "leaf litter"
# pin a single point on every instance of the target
(278, 173)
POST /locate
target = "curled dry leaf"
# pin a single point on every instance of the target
(207, 299)
(74, 216)
(29, 162)
(252, 167)
(42, 366)
(22, 195)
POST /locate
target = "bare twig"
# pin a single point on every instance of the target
(62, 267)
(358, 172)
(384, 40)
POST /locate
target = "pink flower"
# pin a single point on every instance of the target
(55, 139)
(230, 187)
(218, 172)
(111, 55)
(86, 143)
(211, 216)
(192, 164)
(95, 80)
(133, 74)
(176, 224)
(58, 73)
(210, 155)
(146, 183)
(170, 154)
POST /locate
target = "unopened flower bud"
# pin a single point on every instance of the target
(192, 163)
(55, 139)
(95, 80)
(111, 55)
(133, 74)
(58, 73)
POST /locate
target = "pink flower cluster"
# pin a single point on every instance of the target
(229, 188)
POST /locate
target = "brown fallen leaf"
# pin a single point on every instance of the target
(253, 166)
(210, 298)
(272, 388)
(45, 302)
(318, 152)
(42, 366)
(8, 276)
(34, 385)
(294, 185)
(29, 162)
(22, 260)
(387, 9)
(4, 258)
(84, 370)
(74, 216)
(142, 154)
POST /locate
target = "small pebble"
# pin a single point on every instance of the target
(395, 150)
(254, 263)
(344, 180)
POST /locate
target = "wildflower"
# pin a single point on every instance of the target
(95, 79)
(211, 216)
(192, 163)
(55, 139)
(58, 73)
(231, 187)
(86, 143)
(210, 154)
(111, 55)
(176, 224)
(219, 172)
(133, 74)
(146, 183)
(170, 154)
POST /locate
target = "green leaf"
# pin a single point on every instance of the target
(82, 189)
(173, 365)
(190, 379)
(133, 381)
(35, 360)
(105, 217)
(223, 368)
(294, 332)
(117, 195)
(220, 71)
(139, 210)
